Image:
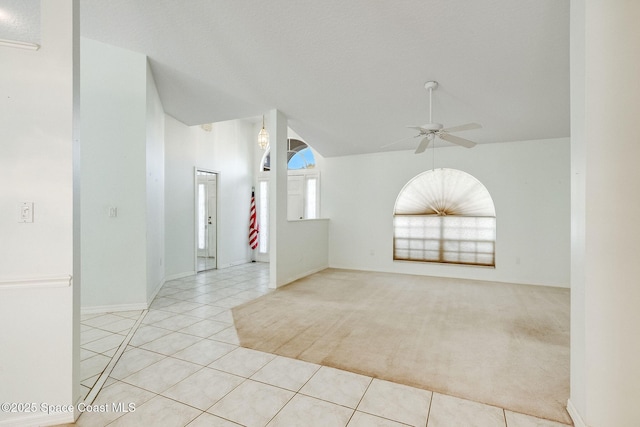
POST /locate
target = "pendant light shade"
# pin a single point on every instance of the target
(263, 137)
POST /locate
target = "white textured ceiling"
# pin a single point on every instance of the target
(349, 74)
(20, 20)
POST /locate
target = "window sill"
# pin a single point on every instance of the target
(308, 219)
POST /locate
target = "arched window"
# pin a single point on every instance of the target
(445, 216)
(299, 156)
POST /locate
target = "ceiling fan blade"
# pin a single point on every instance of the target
(398, 141)
(420, 128)
(468, 126)
(457, 140)
(423, 145)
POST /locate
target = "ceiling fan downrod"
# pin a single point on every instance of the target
(430, 86)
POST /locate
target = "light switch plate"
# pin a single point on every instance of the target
(25, 212)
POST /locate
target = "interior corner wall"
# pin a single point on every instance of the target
(529, 182)
(36, 258)
(608, 366)
(113, 162)
(278, 263)
(179, 209)
(155, 188)
(296, 248)
(578, 401)
(228, 150)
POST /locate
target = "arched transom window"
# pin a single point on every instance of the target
(445, 216)
(299, 156)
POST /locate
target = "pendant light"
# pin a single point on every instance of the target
(263, 137)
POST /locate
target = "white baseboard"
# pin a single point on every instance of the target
(39, 419)
(575, 416)
(234, 263)
(77, 413)
(300, 276)
(155, 292)
(179, 275)
(113, 308)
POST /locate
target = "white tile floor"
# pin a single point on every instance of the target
(101, 334)
(183, 367)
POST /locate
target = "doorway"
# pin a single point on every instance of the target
(206, 220)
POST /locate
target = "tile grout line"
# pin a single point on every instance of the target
(429, 408)
(359, 401)
(279, 410)
(380, 416)
(97, 387)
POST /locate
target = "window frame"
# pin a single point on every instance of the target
(431, 234)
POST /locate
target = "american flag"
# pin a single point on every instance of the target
(253, 223)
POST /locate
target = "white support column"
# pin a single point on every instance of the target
(577, 401)
(605, 366)
(277, 128)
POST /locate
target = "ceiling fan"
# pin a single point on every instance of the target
(432, 130)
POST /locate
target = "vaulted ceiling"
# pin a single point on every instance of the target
(350, 74)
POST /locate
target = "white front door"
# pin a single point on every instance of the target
(206, 221)
(295, 197)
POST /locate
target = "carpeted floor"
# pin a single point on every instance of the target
(501, 344)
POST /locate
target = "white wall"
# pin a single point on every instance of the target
(37, 306)
(605, 367)
(303, 249)
(296, 248)
(529, 184)
(578, 385)
(180, 159)
(155, 188)
(228, 149)
(114, 134)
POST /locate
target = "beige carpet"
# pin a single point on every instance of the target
(501, 344)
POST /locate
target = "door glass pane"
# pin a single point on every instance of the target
(201, 217)
(311, 205)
